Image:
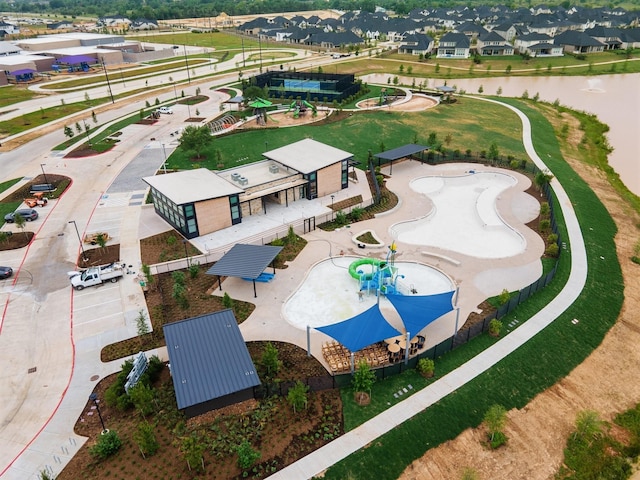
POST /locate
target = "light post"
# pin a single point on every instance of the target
(108, 83)
(45, 175)
(175, 94)
(86, 131)
(84, 257)
(94, 398)
(164, 165)
(332, 197)
(186, 253)
(186, 61)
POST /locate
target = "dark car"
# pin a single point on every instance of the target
(28, 214)
(6, 272)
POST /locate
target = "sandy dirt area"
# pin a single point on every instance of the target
(608, 381)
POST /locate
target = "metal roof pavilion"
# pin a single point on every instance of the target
(400, 152)
(245, 261)
(209, 358)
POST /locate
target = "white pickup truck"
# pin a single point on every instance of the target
(97, 275)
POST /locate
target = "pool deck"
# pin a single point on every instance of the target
(476, 278)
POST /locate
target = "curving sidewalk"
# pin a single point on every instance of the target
(350, 442)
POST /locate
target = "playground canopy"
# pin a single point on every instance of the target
(419, 311)
(76, 59)
(245, 261)
(260, 103)
(362, 330)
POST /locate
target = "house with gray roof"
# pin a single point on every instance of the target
(453, 45)
(610, 37)
(493, 44)
(578, 42)
(416, 44)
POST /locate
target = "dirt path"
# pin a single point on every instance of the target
(608, 381)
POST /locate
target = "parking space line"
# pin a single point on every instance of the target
(94, 305)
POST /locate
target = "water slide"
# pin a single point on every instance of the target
(353, 268)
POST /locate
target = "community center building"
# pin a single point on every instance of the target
(198, 202)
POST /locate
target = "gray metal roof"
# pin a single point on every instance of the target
(246, 261)
(209, 358)
(307, 155)
(401, 152)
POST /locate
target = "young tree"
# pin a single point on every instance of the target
(142, 397)
(363, 378)
(68, 132)
(142, 326)
(270, 361)
(494, 153)
(588, 425)
(297, 396)
(78, 128)
(192, 450)
(495, 419)
(20, 222)
(94, 117)
(196, 139)
(146, 439)
(101, 238)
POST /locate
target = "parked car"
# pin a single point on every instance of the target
(6, 272)
(166, 110)
(28, 214)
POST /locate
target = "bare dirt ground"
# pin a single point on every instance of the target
(608, 381)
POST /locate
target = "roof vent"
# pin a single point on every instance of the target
(274, 168)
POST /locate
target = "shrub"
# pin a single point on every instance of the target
(552, 238)
(356, 213)
(363, 378)
(545, 225)
(107, 445)
(426, 367)
(495, 419)
(514, 164)
(552, 250)
(495, 326)
(247, 456)
(142, 397)
(227, 301)
(194, 270)
(270, 361)
(504, 296)
(545, 209)
(341, 218)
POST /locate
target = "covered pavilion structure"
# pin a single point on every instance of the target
(247, 262)
(405, 151)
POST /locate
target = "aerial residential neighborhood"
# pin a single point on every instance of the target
(398, 241)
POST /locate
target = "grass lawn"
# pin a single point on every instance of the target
(217, 40)
(11, 94)
(546, 358)
(470, 123)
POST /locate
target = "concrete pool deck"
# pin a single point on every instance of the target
(476, 278)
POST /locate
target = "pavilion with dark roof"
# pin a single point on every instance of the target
(247, 262)
(405, 151)
(209, 362)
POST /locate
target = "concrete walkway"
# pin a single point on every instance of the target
(323, 458)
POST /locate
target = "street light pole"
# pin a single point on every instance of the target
(84, 257)
(45, 175)
(86, 131)
(104, 67)
(94, 398)
(164, 165)
(186, 253)
(186, 61)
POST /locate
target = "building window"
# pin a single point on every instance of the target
(345, 174)
(236, 212)
(312, 186)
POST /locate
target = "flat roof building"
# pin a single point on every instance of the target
(198, 202)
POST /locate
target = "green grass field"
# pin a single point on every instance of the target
(217, 40)
(470, 123)
(545, 359)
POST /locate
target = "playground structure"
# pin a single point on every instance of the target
(221, 124)
(260, 110)
(382, 278)
(387, 97)
(300, 107)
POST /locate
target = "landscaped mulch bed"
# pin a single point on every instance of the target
(16, 240)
